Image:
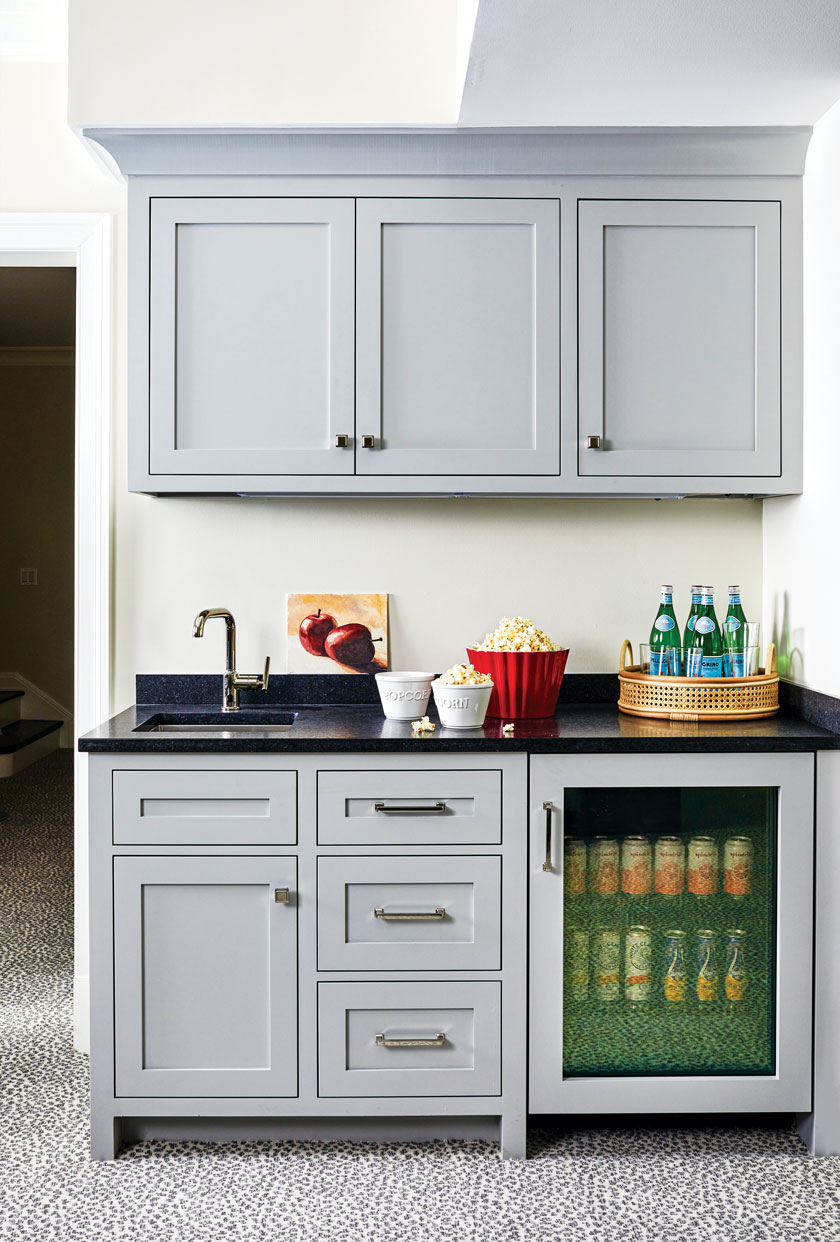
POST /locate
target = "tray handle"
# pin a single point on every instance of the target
(770, 666)
(625, 647)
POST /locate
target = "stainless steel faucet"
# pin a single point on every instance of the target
(233, 681)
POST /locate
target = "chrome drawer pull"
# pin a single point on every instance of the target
(437, 809)
(437, 1042)
(438, 913)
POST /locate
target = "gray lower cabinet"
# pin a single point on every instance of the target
(280, 944)
(205, 969)
(679, 323)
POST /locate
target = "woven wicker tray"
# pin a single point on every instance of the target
(697, 698)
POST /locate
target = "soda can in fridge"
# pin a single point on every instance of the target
(603, 866)
(669, 866)
(702, 866)
(675, 980)
(636, 866)
(706, 961)
(607, 963)
(574, 866)
(736, 980)
(637, 958)
(738, 866)
(577, 962)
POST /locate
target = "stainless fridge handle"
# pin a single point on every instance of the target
(548, 807)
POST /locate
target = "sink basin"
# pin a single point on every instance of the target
(243, 721)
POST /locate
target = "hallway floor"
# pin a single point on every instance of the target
(677, 1185)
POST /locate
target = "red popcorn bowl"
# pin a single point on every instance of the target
(525, 683)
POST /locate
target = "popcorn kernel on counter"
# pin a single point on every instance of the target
(517, 634)
(464, 675)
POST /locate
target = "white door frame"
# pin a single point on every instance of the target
(83, 241)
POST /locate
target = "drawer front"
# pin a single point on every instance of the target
(410, 808)
(409, 913)
(205, 808)
(458, 1026)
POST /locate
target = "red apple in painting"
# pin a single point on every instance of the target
(314, 630)
(351, 644)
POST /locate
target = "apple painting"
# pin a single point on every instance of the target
(314, 631)
(333, 634)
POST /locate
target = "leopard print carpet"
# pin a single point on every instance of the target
(582, 1185)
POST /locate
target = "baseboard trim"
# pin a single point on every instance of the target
(81, 1013)
(301, 1129)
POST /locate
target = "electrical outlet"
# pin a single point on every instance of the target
(29, 577)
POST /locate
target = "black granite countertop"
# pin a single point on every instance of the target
(324, 723)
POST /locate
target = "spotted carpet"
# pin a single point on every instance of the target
(583, 1185)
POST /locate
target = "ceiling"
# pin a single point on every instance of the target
(652, 62)
(37, 306)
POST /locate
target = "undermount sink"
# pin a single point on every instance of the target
(243, 721)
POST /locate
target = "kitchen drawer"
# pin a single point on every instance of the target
(410, 808)
(205, 808)
(453, 904)
(466, 1061)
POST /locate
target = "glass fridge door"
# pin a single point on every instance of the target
(669, 931)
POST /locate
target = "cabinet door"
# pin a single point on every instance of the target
(205, 973)
(251, 336)
(679, 338)
(458, 338)
(671, 935)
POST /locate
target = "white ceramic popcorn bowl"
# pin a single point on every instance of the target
(405, 696)
(461, 707)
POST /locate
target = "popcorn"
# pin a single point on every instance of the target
(423, 726)
(464, 675)
(517, 634)
(507, 730)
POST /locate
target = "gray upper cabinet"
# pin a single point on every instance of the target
(251, 336)
(679, 338)
(205, 976)
(458, 337)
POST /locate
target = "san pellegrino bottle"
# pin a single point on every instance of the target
(705, 654)
(734, 635)
(696, 596)
(665, 638)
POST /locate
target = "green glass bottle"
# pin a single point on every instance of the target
(734, 636)
(705, 653)
(696, 596)
(665, 638)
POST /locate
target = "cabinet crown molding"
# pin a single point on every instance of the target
(450, 151)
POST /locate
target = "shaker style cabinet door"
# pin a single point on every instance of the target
(457, 336)
(251, 336)
(679, 338)
(205, 976)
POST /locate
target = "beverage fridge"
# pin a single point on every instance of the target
(671, 918)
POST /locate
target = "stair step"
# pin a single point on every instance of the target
(9, 706)
(22, 733)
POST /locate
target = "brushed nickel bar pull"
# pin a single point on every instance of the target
(436, 1042)
(437, 809)
(548, 808)
(438, 913)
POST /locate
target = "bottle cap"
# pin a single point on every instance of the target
(735, 590)
(666, 587)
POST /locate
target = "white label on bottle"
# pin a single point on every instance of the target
(664, 623)
(732, 624)
(704, 625)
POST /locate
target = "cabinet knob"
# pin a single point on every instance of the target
(342, 441)
(368, 441)
(282, 896)
(593, 441)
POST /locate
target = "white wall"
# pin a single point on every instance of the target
(262, 62)
(801, 579)
(588, 571)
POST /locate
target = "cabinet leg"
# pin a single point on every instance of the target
(105, 1137)
(513, 1136)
